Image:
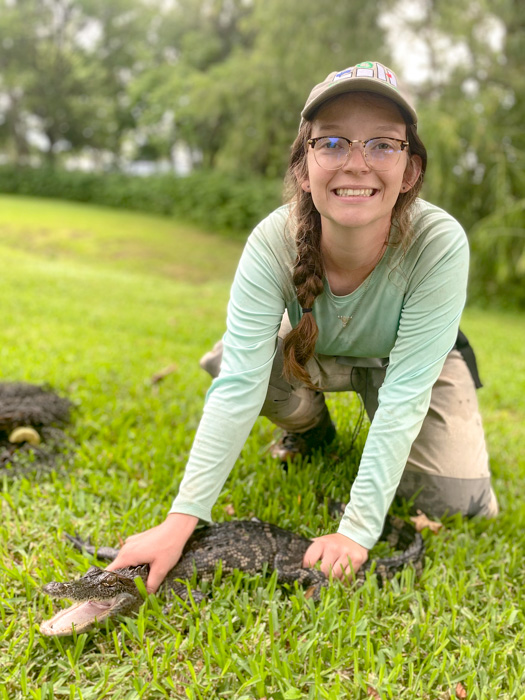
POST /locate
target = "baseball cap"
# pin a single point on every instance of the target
(369, 76)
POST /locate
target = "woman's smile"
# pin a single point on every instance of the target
(356, 196)
(355, 192)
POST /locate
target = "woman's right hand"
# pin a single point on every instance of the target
(160, 547)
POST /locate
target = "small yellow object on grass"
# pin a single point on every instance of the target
(25, 434)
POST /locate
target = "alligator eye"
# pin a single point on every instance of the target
(110, 580)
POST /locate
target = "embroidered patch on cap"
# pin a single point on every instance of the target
(369, 69)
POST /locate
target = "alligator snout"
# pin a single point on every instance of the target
(55, 589)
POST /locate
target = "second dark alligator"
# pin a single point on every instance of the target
(246, 545)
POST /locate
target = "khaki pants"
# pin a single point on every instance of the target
(447, 470)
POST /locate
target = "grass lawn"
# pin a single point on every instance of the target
(95, 302)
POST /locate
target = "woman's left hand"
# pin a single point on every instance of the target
(337, 553)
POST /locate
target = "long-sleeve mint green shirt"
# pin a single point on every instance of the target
(408, 310)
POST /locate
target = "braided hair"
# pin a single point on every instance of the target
(299, 344)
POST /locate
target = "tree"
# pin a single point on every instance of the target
(172, 96)
(65, 65)
(472, 112)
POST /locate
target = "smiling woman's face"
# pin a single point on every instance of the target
(356, 196)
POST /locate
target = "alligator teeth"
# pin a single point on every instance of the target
(354, 193)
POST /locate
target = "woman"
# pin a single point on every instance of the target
(355, 285)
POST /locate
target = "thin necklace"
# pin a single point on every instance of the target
(345, 320)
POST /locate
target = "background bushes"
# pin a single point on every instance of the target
(217, 201)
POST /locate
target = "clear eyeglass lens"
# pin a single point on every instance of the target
(332, 152)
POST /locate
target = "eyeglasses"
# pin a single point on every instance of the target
(332, 152)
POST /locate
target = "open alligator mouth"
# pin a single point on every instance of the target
(79, 617)
(98, 594)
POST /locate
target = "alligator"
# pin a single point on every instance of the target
(250, 546)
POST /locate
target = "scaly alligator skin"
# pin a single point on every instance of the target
(247, 545)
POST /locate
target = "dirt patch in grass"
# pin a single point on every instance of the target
(32, 419)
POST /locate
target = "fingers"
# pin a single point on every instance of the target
(157, 574)
(124, 558)
(160, 547)
(328, 555)
(314, 553)
(343, 568)
(114, 565)
(338, 554)
(159, 566)
(339, 567)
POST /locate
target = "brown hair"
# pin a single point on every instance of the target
(299, 344)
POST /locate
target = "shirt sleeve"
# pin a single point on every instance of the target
(235, 398)
(434, 299)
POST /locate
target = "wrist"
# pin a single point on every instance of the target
(182, 523)
(363, 541)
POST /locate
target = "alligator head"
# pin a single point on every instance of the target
(98, 594)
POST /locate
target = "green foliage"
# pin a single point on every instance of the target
(65, 67)
(226, 202)
(98, 332)
(221, 202)
(471, 118)
(498, 256)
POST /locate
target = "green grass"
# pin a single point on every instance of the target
(96, 315)
(117, 240)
